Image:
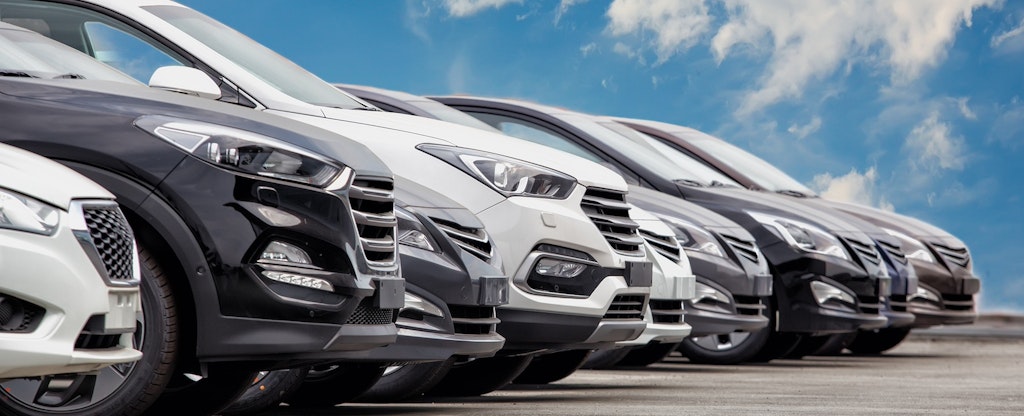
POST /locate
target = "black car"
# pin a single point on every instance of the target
(265, 243)
(732, 275)
(829, 277)
(946, 285)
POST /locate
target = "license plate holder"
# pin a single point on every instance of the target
(639, 273)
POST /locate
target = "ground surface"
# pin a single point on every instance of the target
(927, 374)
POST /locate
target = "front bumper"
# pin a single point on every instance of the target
(953, 298)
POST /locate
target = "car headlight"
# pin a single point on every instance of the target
(693, 237)
(912, 247)
(22, 213)
(510, 177)
(411, 231)
(802, 235)
(241, 150)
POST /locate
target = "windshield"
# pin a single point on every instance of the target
(451, 115)
(763, 173)
(29, 54)
(636, 147)
(274, 69)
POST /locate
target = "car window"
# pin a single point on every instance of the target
(126, 52)
(534, 133)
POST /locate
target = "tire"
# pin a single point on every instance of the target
(549, 368)
(267, 391)
(480, 376)
(724, 349)
(878, 341)
(192, 395)
(836, 344)
(123, 389)
(330, 385)
(406, 382)
(648, 354)
(605, 359)
(808, 345)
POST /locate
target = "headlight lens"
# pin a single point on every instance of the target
(802, 235)
(412, 233)
(242, 150)
(22, 213)
(693, 237)
(912, 247)
(511, 177)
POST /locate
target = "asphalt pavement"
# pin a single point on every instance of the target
(930, 373)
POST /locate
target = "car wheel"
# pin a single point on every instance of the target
(549, 368)
(330, 385)
(724, 349)
(189, 394)
(648, 354)
(268, 390)
(122, 389)
(605, 359)
(480, 376)
(404, 382)
(878, 341)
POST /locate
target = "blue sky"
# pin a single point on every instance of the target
(916, 106)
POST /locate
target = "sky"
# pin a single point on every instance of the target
(915, 106)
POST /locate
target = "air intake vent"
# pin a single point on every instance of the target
(743, 248)
(373, 207)
(610, 213)
(958, 302)
(893, 251)
(870, 304)
(626, 307)
(957, 256)
(749, 305)
(667, 311)
(113, 239)
(367, 314)
(473, 320)
(865, 251)
(473, 240)
(664, 245)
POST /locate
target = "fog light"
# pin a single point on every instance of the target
(703, 292)
(926, 294)
(299, 280)
(416, 239)
(559, 268)
(416, 303)
(824, 292)
(284, 252)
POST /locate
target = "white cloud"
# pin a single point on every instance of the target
(676, 24)
(588, 48)
(965, 110)
(415, 14)
(933, 148)
(1008, 127)
(1008, 37)
(624, 50)
(466, 8)
(564, 6)
(853, 187)
(806, 130)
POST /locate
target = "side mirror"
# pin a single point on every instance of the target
(186, 80)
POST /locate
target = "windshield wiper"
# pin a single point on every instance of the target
(69, 75)
(689, 182)
(792, 192)
(20, 74)
(717, 184)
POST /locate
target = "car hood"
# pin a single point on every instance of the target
(35, 176)
(424, 130)
(138, 100)
(665, 204)
(887, 219)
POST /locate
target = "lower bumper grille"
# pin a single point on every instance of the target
(749, 305)
(473, 320)
(97, 342)
(958, 302)
(626, 307)
(666, 311)
(367, 314)
(869, 304)
(898, 303)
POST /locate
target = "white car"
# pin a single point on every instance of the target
(69, 276)
(543, 207)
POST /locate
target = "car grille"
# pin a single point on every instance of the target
(958, 302)
(666, 311)
(748, 305)
(113, 240)
(373, 207)
(866, 252)
(898, 303)
(610, 213)
(626, 307)
(474, 240)
(743, 248)
(665, 245)
(894, 251)
(869, 304)
(957, 256)
(368, 314)
(96, 342)
(473, 320)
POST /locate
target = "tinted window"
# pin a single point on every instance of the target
(534, 133)
(126, 52)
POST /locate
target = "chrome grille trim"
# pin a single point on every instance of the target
(113, 239)
(373, 209)
(894, 252)
(609, 211)
(958, 256)
(474, 240)
(664, 245)
(743, 248)
(864, 251)
(627, 307)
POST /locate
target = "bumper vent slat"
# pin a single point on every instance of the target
(749, 305)
(627, 307)
(956, 255)
(898, 303)
(667, 311)
(665, 245)
(473, 320)
(473, 240)
(373, 209)
(869, 304)
(958, 302)
(609, 211)
(113, 239)
(743, 248)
